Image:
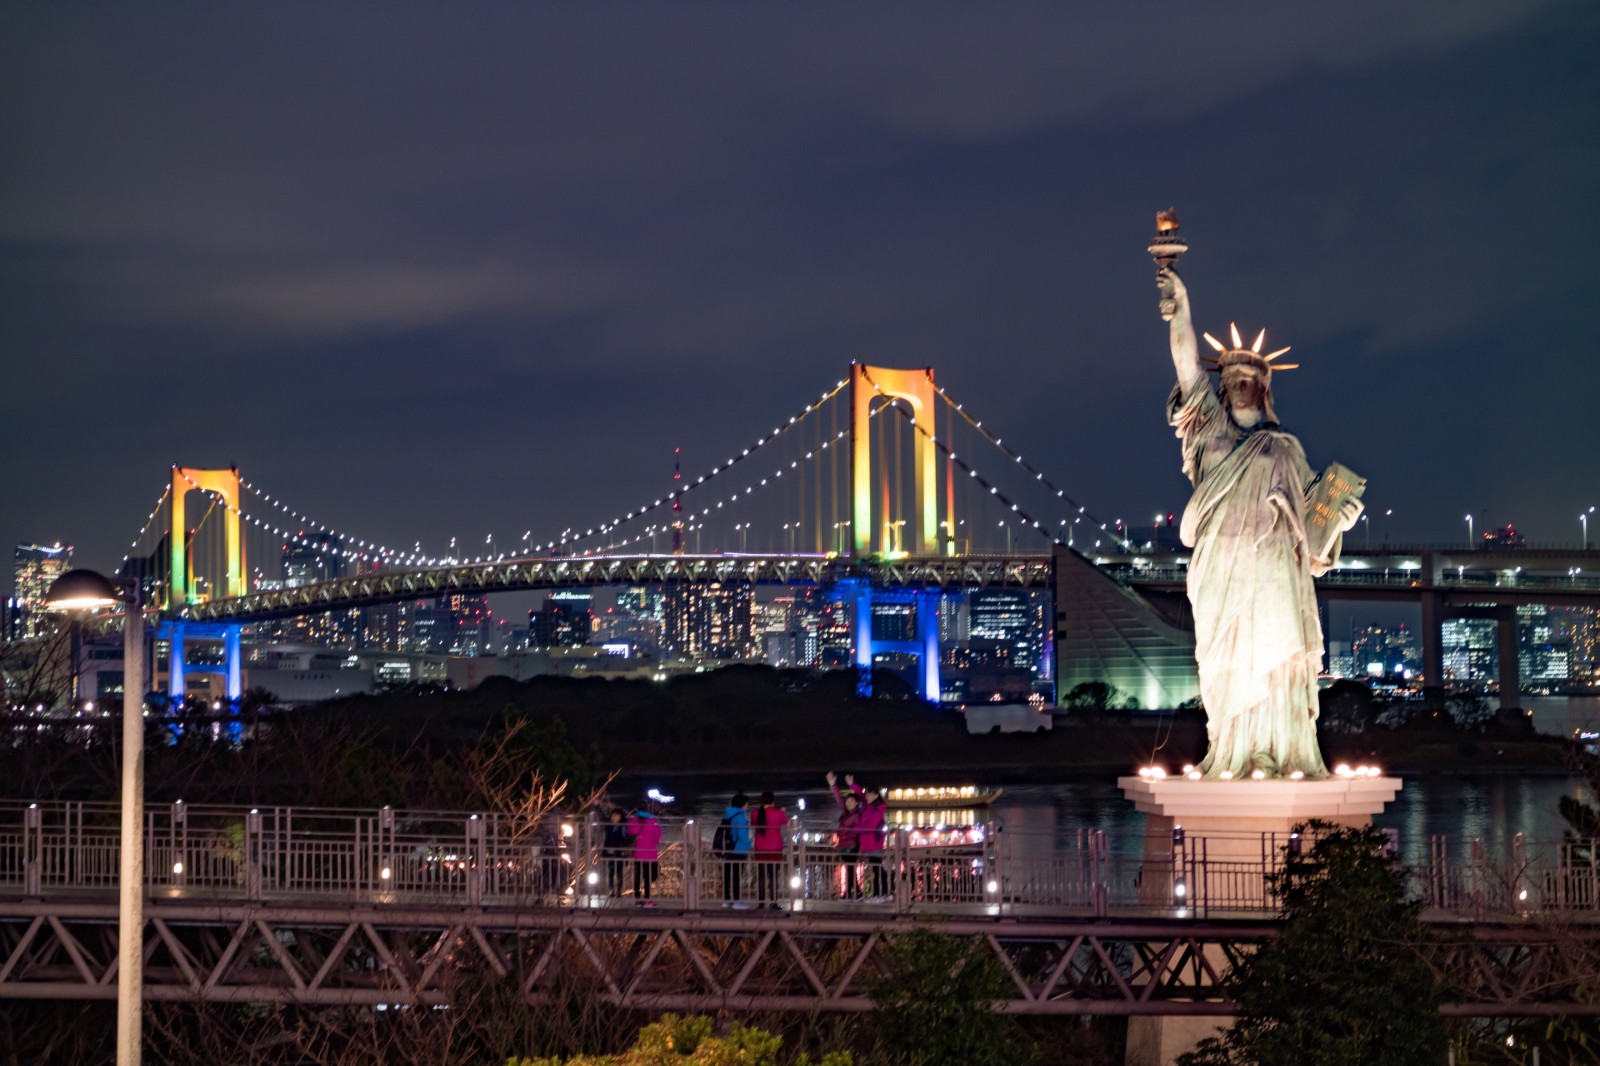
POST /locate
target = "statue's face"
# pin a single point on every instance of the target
(1245, 391)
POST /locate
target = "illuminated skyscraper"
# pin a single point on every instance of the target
(36, 566)
(1015, 616)
(709, 621)
(565, 621)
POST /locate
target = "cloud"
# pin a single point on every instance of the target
(505, 162)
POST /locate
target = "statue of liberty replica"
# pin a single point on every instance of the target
(1261, 525)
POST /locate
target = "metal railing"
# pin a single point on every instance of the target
(388, 856)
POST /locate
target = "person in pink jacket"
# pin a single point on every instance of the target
(848, 835)
(645, 830)
(766, 831)
(871, 827)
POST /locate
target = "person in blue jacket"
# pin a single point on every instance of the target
(731, 845)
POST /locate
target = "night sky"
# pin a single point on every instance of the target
(446, 270)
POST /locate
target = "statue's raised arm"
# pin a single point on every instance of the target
(1180, 322)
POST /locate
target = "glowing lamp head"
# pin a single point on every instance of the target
(80, 590)
(1226, 775)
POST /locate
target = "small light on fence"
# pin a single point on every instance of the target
(1373, 771)
(384, 874)
(1258, 775)
(794, 882)
(1342, 770)
(993, 887)
(1297, 775)
(566, 829)
(1188, 768)
(1522, 896)
(801, 803)
(1144, 771)
(1158, 773)
(1226, 775)
(1193, 775)
(594, 877)
(177, 868)
(1180, 889)
(1361, 771)
(570, 890)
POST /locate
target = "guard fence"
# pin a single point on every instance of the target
(487, 859)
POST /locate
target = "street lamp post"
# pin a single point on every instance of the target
(1583, 520)
(1386, 516)
(84, 590)
(1469, 531)
(1366, 528)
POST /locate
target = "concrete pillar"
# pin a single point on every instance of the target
(862, 593)
(928, 638)
(1432, 639)
(1510, 662)
(175, 664)
(230, 644)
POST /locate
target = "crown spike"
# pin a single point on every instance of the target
(1237, 341)
(1287, 366)
(1256, 347)
(1218, 345)
(1270, 356)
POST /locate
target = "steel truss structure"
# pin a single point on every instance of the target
(663, 960)
(510, 575)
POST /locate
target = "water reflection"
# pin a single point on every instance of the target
(1040, 819)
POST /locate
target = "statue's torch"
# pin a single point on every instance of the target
(1165, 248)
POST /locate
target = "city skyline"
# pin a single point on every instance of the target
(493, 292)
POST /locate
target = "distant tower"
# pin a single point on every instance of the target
(677, 502)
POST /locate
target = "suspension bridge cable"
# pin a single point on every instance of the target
(151, 517)
(678, 494)
(795, 467)
(994, 490)
(367, 550)
(1038, 475)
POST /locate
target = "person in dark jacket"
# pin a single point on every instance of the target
(732, 846)
(614, 850)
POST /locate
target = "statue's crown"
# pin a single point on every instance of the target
(1239, 355)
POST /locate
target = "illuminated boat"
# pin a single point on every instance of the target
(946, 796)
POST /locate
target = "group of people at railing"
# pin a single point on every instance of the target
(750, 847)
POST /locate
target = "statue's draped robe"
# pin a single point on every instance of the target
(1258, 642)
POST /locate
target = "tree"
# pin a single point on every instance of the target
(935, 1003)
(1346, 707)
(692, 1041)
(1094, 696)
(1346, 980)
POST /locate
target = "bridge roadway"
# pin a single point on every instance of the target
(385, 907)
(1462, 577)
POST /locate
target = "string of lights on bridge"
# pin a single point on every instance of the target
(945, 450)
(777, 431)
(151, 517)
(374, 550)
(364, 550)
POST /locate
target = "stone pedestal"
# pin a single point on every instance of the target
(1234, 832)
